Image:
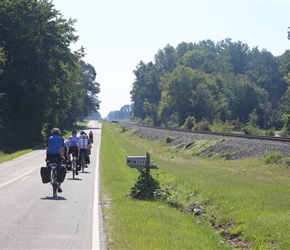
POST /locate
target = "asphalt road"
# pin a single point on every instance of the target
(30, 218)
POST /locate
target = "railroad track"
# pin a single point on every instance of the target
(248, 136)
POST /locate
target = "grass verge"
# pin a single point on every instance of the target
(66, 133)
(245, 203)
(9, 157)
(135, 224)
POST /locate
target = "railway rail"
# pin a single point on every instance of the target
(232, 146)
(246, 136)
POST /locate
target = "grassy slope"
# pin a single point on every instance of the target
(143, 224)
(244, 198)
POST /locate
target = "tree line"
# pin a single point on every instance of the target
(122, 114)
(43, 83)
(207, 83)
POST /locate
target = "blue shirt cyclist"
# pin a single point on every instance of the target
(73, 147)
(55, 145)
(55, 149)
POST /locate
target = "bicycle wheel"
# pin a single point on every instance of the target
(54, 189)
(74, 167)
(83, 163)
(54, 183)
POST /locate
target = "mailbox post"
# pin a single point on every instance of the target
(141, 162)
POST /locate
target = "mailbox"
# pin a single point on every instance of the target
(136, 161)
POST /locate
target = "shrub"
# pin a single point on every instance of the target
(253, 130)
(203, 125)
(219, 126)
(144, 189)
(148, 121)
(287, 160)
(189, 123)
(270, 132)
(168, 139)
(284, 133)
(273, 157)
(173, 121)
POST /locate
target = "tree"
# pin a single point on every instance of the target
(91, 88)
(138, 92)
(146, 93)
(199, 59)
(265, 71)
(166, 59)
(176, 92)
(40, 73)
(234, 54)
(182, 48)
(245, 99)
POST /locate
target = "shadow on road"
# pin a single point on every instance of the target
(74, 179)
(58, 198)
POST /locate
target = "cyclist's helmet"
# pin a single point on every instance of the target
(82, 132)
(55, 131)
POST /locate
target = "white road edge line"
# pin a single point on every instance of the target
(19, 177)
(96, 232)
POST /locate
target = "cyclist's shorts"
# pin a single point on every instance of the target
(73, 149)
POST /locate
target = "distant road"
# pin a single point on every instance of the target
(31, 219)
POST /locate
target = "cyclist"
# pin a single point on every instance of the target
(73, 146)
(55, 149)
(65, 150)
(91, 136)
(84, 145)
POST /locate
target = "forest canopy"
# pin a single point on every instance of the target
(43, 84)
(206, 81)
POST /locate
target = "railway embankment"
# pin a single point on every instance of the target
(230, 147)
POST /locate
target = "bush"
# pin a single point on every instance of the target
(284, 133)
(219, 126)
(148, 121)
(203, 125)
(273, 157)
(144, 189)
(287, 160)
(253, 130)
(189, 123)
(168, 139)
(173, 121)
(270, 132)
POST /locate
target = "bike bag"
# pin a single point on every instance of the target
(45, 174)
(61, 173)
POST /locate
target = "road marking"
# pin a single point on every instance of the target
(96, 232)
(19, 177)
(26, 177)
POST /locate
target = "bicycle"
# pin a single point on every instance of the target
(52, 164)
(82, 162)
(74, 165)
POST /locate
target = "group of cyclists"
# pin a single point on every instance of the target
(61, 149)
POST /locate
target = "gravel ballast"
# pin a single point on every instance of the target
(233, 147)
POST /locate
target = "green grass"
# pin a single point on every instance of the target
(66, 133)
(8, 157)
(248, 199)
(134, 224)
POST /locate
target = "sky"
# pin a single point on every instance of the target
(117, 35)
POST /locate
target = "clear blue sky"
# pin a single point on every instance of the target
(117, 35)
